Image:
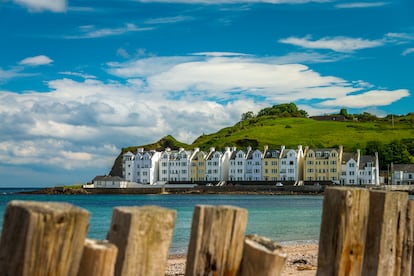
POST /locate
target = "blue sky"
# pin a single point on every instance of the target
(79, 80)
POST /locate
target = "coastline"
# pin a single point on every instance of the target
(301, 261)
(201, 189)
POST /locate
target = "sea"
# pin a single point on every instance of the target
(287, 219)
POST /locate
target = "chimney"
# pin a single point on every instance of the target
(265, 149)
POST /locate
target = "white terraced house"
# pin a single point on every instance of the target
(217, 165)
(128, 160)
(369, 170)
(291, 164)
(237, 165)
(357, 169)
(141, 167)
(175, 165)
(253, 170)
(150, 167)
(349, 168)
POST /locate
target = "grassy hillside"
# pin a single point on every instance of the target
(275, 131)
(292, 132)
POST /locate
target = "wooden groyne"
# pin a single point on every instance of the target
(363, 232)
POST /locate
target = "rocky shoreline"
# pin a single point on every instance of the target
(302, 260)
(235, 189)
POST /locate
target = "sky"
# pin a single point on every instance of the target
(80, 80)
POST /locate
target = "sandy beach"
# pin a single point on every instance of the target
(302, 261)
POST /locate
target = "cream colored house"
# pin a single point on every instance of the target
(198, 166)
(322, 164)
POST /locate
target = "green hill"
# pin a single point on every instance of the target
(292, 132)
(392, 136)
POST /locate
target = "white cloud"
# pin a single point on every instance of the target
(78, 74)
(359, 5)
(408, 51)
(36, 60)
(337, 44)
(168, 20)
(43, 5)
(368, 99)
(91, 31)
(84, 123)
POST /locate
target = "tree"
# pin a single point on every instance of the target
(344, 112)
(247, 116)
(283, 110)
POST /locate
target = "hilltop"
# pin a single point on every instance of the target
(392, 136)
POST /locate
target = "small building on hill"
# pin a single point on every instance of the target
(339, 118)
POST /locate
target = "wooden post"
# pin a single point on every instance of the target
(42, 238)
(343, 231)
(408, 246)
(98, 258)
(262, 256)
(385, 233)
(143, 236)
(216, 242)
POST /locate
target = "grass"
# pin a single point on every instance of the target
(292, 132)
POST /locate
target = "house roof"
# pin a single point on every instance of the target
(346, 156)
(199, 155)
(212, 153)
(285, 152)
(323, 150)
(403, 167)
(366, 159)
(272, 153)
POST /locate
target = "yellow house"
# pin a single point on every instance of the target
(322, 164)
(270, 164)
(198, 166)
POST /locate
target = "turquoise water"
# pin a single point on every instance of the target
(287, 219)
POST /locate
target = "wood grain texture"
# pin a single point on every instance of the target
(143, 236)
(408, 245)
(261, 256)
(343, 231)
(98, 258)
(216, 241)
(42, 238)
(385, 233)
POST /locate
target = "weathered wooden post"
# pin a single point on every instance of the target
(42, 238)
(216, 242)
(407, 262)
(343, 231)
(385, 233)
(143, 236)
(98, 258)
(262, 256)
